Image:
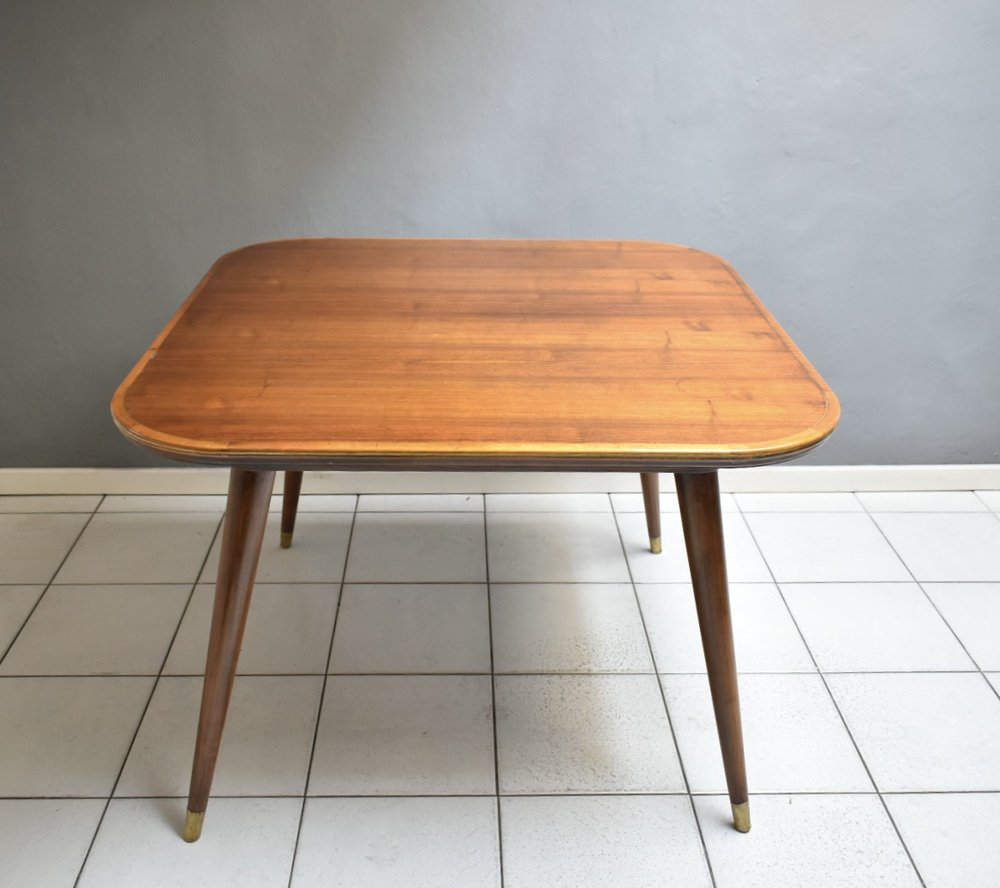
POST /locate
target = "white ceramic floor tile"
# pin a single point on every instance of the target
(766, 639)
(873, 627)
(417, 547)
(834, 841)
(66, 736)
(569, 547)
(814, 547)
(952, 837)
(265, 745)
(413, 628)
(16, 603)
(316, 556)
(555, 627)
(163, 503)
(398, 843)
(924, 732)
(793, 737)
(798, 502)
(33, 546)
(416, 502)
(584, 734)
(141, 548)
(632, 502)
(43, 842)
(743, 561)
(405, 735)
(548, 502)
(973, 611)
(48, 503)
(246, 843)
(316, 502)
(922, 501)
(991, 498)
(98, 630)
(599, 841)
(945, 547)
(288, 630)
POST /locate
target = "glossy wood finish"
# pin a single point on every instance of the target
(290, 506)
(651, 505)
(465, 354)
(242, 533)
(701, 515)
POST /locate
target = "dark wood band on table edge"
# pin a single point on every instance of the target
(445, 462)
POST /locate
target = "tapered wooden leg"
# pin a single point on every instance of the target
(289, 506)
(702, 519)
(651, 503)
(242, 533)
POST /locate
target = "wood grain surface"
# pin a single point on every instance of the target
(474, 354)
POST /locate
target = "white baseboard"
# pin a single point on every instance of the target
(778, 479)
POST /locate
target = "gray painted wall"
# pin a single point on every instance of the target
(844, 156)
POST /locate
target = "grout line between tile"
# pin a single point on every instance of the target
(30, 512)
(978, 495)
(173, 675)
(480, 582)
(514, 795)
(833, 699)
(933, 604)
(145, 709)
(493, 692)
(663, 698)
(322, 695)
(398, 512)
(51, 581)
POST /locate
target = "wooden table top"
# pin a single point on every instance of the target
(474, 354)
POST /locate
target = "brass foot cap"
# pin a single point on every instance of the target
(192, 826)
(286, 539)
(741, 817)
(655, 545)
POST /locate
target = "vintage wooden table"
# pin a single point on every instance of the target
(472, 355)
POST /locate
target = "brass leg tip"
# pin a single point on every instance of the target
(655, 545)
(286, 539)
(192, 826)
(741, 817)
